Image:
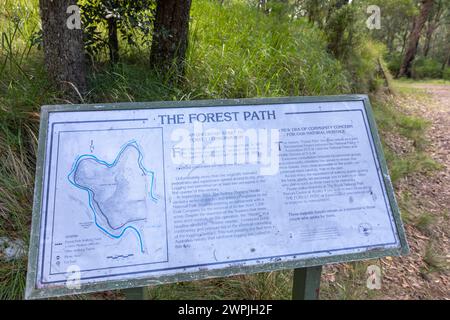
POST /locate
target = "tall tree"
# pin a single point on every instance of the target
(396, 19)
(340, 19)
(413, 41)
(170, 36)
(63, 46)
(434, 18)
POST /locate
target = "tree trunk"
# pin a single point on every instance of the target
(390, 42)
(113, 41)
(170, 37)
(404, 39)
(446, 62)
(63, 47)
(428, 35)
(413, 41)
(432, 24)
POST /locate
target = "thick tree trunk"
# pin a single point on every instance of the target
(63, 47)
(170, 37)
(413, 41)
(113, 41)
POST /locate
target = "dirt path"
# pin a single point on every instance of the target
(424, 274)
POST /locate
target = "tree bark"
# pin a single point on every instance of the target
(428, 36)
(446, 62)
(404, 40)
(113, 41)
(63, 48)
(170, 36)
(432, 24)
(413, 41)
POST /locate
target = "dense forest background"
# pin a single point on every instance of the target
(98, 51)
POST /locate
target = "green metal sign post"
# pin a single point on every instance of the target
(306, 286)
(306, 283)
(136, 293)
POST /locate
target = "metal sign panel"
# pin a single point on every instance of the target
(137, 194)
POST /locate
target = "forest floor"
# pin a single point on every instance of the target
(424, 273)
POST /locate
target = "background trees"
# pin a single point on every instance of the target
(105, 23)
(105, 20)
(415, 34)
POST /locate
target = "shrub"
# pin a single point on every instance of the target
(394, 61)
(364, 66)
(426, 68)
(446, 73)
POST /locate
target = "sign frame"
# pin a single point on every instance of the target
(32, 292)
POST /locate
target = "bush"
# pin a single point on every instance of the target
(394, 61)
(422, 67)
(104, 21)
(446, 73)
(364, 66)
(426, 68)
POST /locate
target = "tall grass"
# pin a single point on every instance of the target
(236, 51)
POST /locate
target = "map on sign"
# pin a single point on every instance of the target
(130, 195)
(118, 192)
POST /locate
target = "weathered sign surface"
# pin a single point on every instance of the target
(143, 193)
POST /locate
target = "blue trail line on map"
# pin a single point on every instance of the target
(83, 157)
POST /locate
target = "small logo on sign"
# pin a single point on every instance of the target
(365, 229)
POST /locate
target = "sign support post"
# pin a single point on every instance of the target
(306, 283)
(136, 293)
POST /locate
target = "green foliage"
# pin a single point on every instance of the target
(237, 51)
(446, 73)
(396, 18)
(390, 119)
(19, 24)
(134, 20)
(364, 63)
(427, 68)
(402, 166)
(342, 29)
(12, 279)
(394, 62)
(425, 222)
(348, 40)
(130, 82)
